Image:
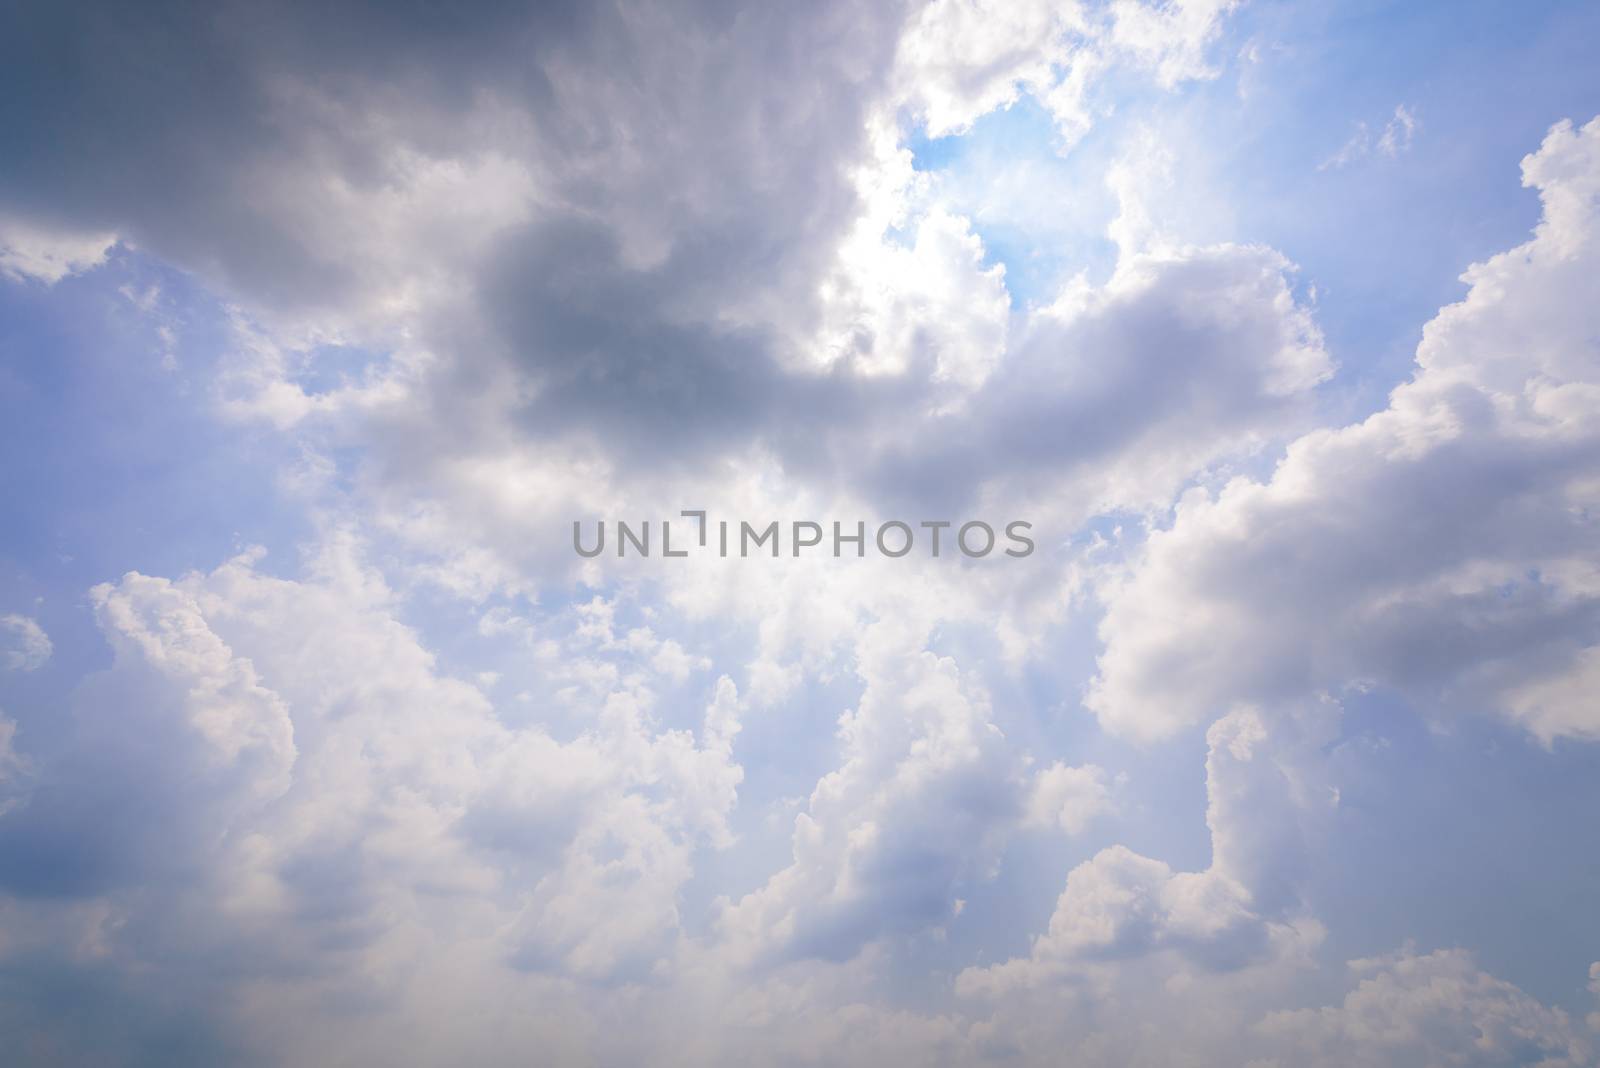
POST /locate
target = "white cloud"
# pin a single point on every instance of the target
(1170, 38)
(32, 251)
(24, 646)
(1266, 790)
(1395, 138)
(1440, 546)
(960, 60)
(1398, 132)
(889, 306)
(1436, 1008)
(1068, 797)
(318, 780)
(917, 809)
(243, 724)
(963, 60)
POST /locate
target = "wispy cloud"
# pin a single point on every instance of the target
(1394, 139)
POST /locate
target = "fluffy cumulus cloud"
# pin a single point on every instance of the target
(419, 785)
(1444, 545)
(1068, 797)
(273, 771)
(1435, 1008)
(889, 838)
(959, 61)
(1247, 906)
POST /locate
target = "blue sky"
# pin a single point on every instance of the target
(320, 327)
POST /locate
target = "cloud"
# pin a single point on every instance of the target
(1267, 793)
(1398, 132)
(13, 767)
(1079, 407)
(1395, 138)
(1404, 1008)
(279, 764)
(29, 251)
(241, 724)
(449, 793)
(549, 335)
(1068, 797)
(959, 61)
(1440, 546)
(916, 811)
(1434, 1008)
(26, 646)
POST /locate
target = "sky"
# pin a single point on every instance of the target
(322, 327)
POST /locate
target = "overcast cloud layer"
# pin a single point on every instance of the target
(321, 325)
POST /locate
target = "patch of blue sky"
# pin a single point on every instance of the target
(328, 368)
(1451, 834)
(118, 451)
(1293, 138)
(1039, 212)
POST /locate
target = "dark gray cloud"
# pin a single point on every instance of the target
(163, 122)
(168, 122)
(687, 173)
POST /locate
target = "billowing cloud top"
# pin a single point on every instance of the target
(325, 326)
